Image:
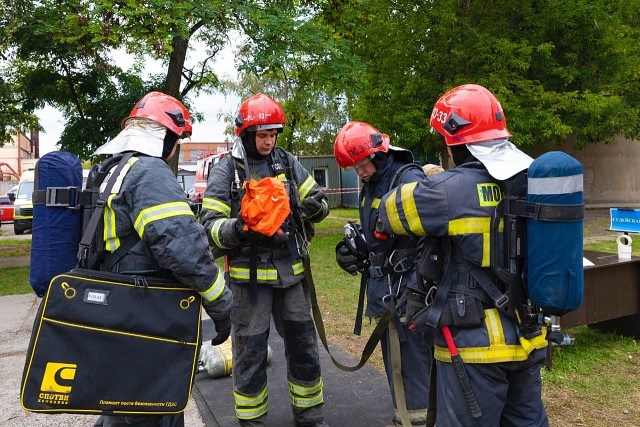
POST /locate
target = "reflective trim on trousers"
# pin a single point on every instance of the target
(249, 408)
(306, 397)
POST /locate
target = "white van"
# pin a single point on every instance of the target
(23, 206)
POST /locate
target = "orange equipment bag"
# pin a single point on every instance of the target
(265, 205)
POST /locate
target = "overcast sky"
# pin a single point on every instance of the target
(210, 130)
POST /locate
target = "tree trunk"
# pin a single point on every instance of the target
(172, 83)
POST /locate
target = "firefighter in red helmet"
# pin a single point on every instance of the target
(266, 270)
(148, 214)
(468, 316)
(389, 281)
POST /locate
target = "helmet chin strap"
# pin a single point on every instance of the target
(170, 140)
(461, 154)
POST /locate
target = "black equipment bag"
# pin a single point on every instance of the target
(108, 343)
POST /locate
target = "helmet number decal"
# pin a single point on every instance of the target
(439, 115)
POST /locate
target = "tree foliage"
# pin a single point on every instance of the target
(561, 69)
(62, 55)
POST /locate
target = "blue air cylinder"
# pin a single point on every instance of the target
(55, 234)
(554, 241)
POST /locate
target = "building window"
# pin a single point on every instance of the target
(321, 176)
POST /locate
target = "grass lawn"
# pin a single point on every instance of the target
(595, 382)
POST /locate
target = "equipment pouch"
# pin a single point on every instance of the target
(462, 311)
(430, 263)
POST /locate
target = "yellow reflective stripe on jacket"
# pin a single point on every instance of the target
(215, 232)
(478, 225)
(306, 397)
(298, 268)
(262, 274)
(375, 203)
(306, 186)
(215, 290)
(248, 408)
(111, 239)
(410, 209)
(163, 211)
(498, 350)
(109, 235)
(216, 205)
(392, 213)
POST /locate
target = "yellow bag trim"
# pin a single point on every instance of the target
(117, 332)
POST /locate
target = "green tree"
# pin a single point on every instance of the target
(63, 57)
(291, 54)
(13, 116)
(562, 69)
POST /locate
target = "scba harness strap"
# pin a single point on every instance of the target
(294, 223)
(379, 265)
(400, 261)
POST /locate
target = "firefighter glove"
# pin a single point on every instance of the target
(414, 302)
(223, 328)
(310, 208)
(239, 226)
(346, 260)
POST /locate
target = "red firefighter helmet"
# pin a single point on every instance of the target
(259, 112)
(468, 114)
(165, 110)
(357, 140)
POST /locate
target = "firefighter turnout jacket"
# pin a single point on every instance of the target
(278, 259)
(147, 201)
(266, 277)
(456, 206)
(381, 249)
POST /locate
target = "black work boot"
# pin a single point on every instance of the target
(252, 423)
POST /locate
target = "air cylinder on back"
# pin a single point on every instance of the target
(555, 276)
(56, 226)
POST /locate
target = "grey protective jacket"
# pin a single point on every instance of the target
(148, 201)
(275, 261)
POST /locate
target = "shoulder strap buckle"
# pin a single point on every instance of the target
(63, 197)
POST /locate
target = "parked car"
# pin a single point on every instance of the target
(6, 209)
(23, 206)
(13, 191)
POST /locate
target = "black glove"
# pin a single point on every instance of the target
(309, 208)
(240, 232)
(414, 302)
(223, 328)
(345, 259)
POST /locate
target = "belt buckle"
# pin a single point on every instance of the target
(376, 272)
